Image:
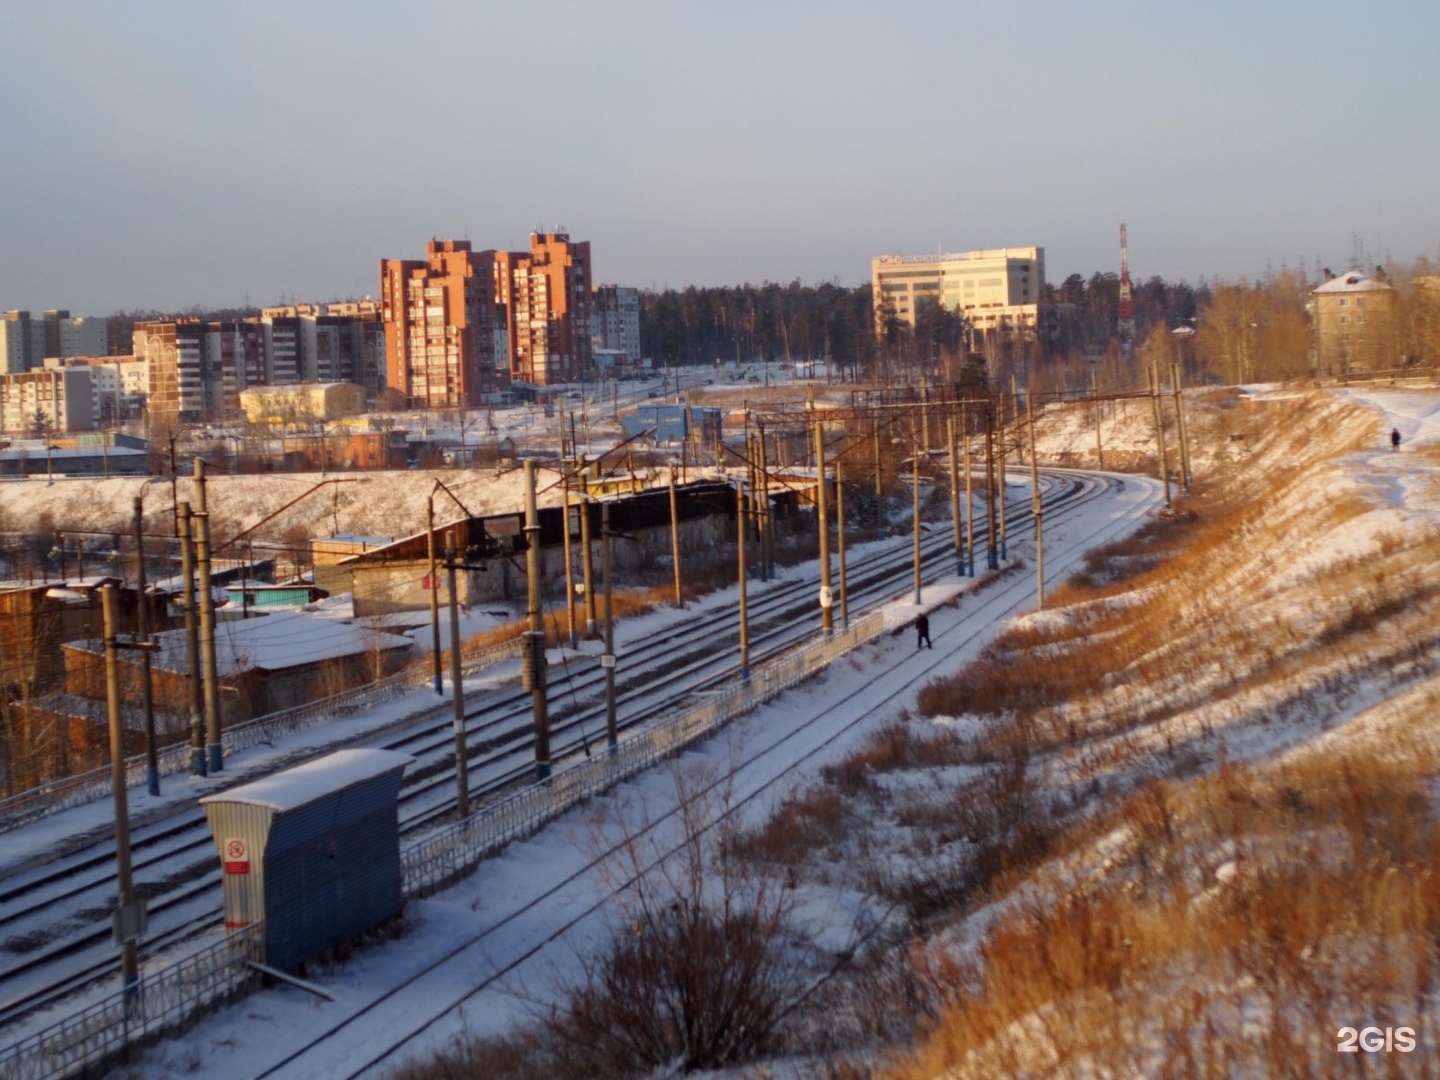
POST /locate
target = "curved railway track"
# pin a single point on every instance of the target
(54, 923)
(374, 1033)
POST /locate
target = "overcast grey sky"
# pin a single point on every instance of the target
(168, 154)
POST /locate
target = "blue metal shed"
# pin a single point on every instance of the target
(312, 852)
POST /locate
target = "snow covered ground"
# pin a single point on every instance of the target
(479, 952)
(524, 920)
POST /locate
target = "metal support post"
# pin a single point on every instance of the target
(537, 625)
(457, 690)
(142, 634)
(434, 583)
(607, 661)
(129, 952)
(209, 670)
(185, 523)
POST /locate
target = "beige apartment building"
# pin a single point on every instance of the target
(997, 290)
(1353, 322)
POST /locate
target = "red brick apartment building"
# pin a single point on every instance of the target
(462, 323)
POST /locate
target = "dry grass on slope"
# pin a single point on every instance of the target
(1257, 911)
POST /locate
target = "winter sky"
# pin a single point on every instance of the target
(168, 154)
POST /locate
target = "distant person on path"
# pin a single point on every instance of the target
(1394, 439)
(922, 631)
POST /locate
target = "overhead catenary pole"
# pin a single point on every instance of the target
(1185, 476)
(992, 553)
(827, 619)
(767, 545)
(537, 626)
(129, 953)
(1099, 415)
(1000, 481)
(840, 544)
(185, 524)
(569, 561)
(1158, 403)
(1035, 505)
(740, 525)
(432, 581)
(209, 669)
(955, 523)
(586, 562)
(675, 539)
(457, 690)
(607, 661)
(142, 634)
(915, 504)
(969, 504)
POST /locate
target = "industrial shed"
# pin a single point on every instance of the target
(312, 852)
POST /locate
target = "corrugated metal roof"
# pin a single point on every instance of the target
(294, 788)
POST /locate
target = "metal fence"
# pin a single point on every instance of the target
(91, 786)
(162, 1003)
(450, 854)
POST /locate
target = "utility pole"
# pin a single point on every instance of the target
(767, 546)
(127, 930)
(586, 563)
(969, 503)
(1099, 415)
(840, 544)
(955, 498)
(536, 634)
(569, 562)
(184, 521)
(744, 610)
(1000, 478)
(827, 619)
(1185, 476)
(1157, 402)
(142, 633)
(675, 538)
(1035, 507)
(992, 555)
(208, 668)
(434, 582)
(915, 503)
(457, 691)
(607, 661)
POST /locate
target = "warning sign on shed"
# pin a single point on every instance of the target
(237, 857)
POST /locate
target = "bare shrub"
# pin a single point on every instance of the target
(697, 971)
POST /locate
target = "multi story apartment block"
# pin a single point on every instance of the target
(196, 370)
(58, 399)
(615, 321)
(998, 290)
(193, 368)
(440, 317)
(118, 384)
(26, 343)
(546, 293)
(325, 343)
(1354, 323)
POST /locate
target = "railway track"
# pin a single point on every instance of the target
(54, 922)
(374, 1033)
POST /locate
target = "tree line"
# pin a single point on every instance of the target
(1230, 331)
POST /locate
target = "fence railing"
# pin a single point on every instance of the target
(450, 854)
(164, 1002)
(94, 785)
